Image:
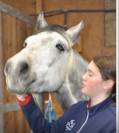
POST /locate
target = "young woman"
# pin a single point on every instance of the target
(98, 115)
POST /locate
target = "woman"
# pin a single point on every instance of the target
(98, 115)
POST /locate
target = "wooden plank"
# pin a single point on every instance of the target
(14, 33)
(110, 26)
(14, 12)
(1, 77)
(15, 123)
(21, 34)
(1, 59)
(9, 42)
(39, 6)
(30, 30)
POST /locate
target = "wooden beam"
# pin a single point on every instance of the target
(1, 77)
(14, 12)
(9, 107)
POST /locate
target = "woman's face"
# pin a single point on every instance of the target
(92, 81)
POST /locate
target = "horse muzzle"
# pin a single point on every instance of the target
(18, 76)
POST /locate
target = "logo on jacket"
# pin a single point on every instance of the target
(70, 125)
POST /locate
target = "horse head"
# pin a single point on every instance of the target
(45, 62)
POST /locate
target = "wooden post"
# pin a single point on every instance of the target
(39, 6)
(110, 24)
(1, 77)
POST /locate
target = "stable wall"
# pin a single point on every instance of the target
(98, 37)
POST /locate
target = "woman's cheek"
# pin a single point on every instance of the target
(89, 87)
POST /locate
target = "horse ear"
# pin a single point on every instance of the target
(74, 31)
(41, 22)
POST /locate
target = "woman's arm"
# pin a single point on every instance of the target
(36, 119)
(33, 115)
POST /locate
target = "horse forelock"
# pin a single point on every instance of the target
(59, 29)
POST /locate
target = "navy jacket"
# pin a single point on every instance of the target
(79, 118)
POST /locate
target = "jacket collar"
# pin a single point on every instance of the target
(99, 107)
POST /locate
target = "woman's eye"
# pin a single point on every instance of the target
(60, 47)
(90, 74)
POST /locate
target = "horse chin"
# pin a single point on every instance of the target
(16, 90)
(19, 86)
(41, 87)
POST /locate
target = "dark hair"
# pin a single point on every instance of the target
(107, 67)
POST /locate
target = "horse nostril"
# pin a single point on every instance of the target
(24, 68)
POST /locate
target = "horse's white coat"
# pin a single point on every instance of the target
(42, 66)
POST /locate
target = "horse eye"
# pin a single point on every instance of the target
(60, 47)
(25, 44)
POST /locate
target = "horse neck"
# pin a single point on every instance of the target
(65, 96)
(67, 93)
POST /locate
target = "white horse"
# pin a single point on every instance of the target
(48, 63)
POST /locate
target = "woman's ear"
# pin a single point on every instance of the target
(108, 84)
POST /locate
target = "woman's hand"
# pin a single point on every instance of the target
(22, 97)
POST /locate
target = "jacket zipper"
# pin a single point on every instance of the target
(79, 130)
